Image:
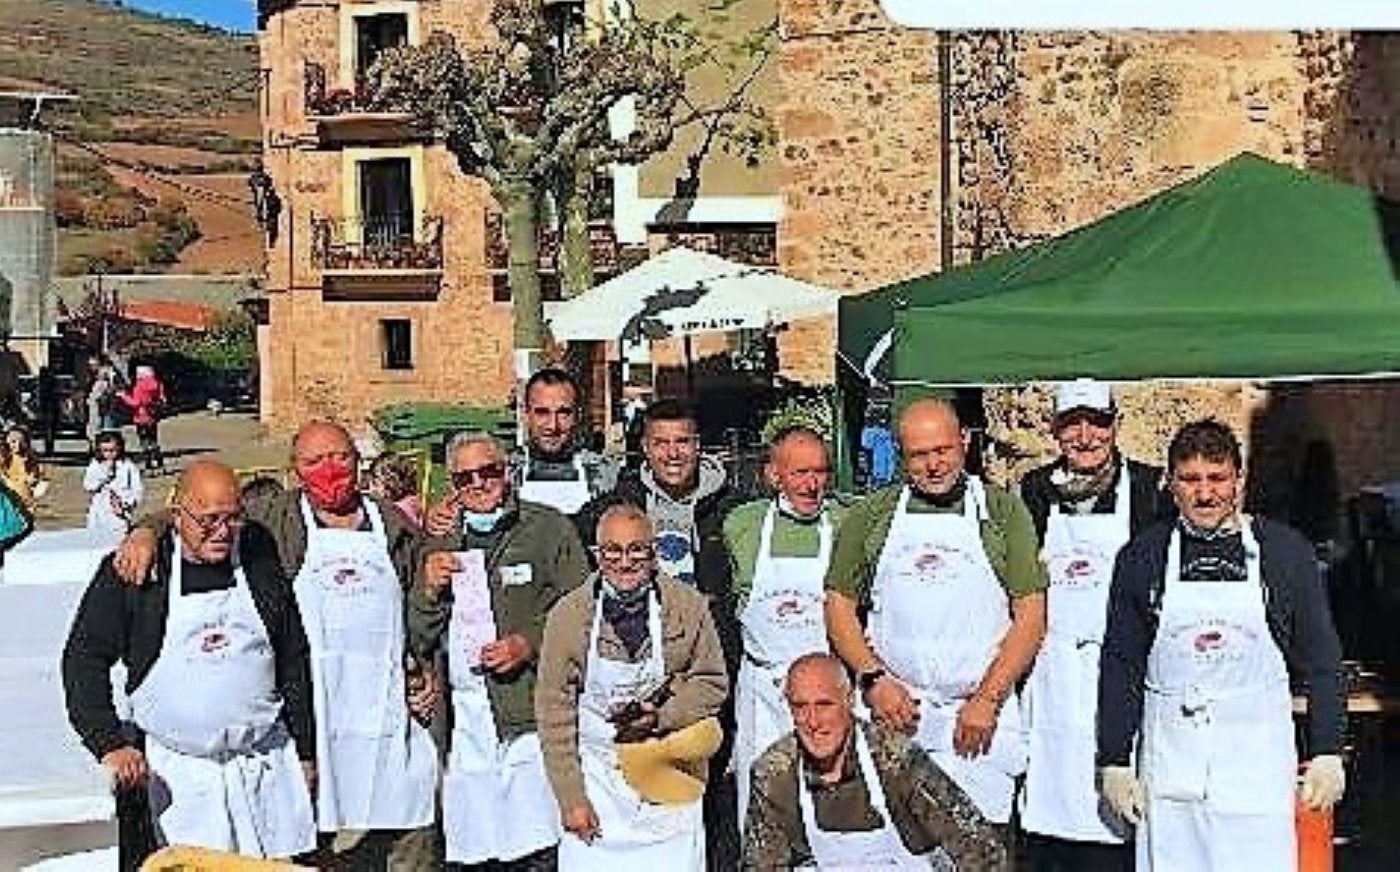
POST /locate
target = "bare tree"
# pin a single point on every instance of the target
(527, 111)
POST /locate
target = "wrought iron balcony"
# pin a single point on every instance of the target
(377, 245)
(602, 243)
(344, 115)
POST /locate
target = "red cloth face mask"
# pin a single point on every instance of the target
(329, 485)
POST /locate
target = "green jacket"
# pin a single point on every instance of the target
(791, 538)
(530, 535)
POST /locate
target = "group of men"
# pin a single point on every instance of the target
(642, 670)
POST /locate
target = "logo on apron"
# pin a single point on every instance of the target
(342, 578)
(675, 555)
(936, 565)
(213, 639)
(1080, 569)
(1215, 642)
(792, 608)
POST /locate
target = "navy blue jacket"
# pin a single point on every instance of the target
(1296, 607)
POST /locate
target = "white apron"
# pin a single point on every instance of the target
(782, 620)
(565, 496)
(1061, 798)
(635, 835)
(1218, 753)
(224, 771)
(496, 800)
(855, 851)
(377, 767)
(937, 619)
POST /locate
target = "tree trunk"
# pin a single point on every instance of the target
(576, 255)
(522, 238)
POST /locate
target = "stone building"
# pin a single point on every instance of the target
(1051, 131)
(386, 270)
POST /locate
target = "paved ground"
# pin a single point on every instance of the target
(236, 439)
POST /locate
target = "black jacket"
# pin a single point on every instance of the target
(1300, 622)
(117, 622)
(1149, 501)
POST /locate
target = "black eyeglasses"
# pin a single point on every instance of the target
(615, 551)
(484, 474)
(208, 523)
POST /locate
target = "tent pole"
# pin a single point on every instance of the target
(689, 372)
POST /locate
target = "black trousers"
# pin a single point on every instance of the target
(546, 860)
(1049, 854)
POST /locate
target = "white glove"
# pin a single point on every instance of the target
(1324, 781)
(1120, 786)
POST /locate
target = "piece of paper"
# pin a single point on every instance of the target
(473, 622)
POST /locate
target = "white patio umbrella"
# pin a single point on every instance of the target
(689, 292)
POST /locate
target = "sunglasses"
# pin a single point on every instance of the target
(482, 474)
(615, 551)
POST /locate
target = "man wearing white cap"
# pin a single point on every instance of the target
(1085, 505)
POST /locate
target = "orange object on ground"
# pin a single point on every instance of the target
(1314, 838)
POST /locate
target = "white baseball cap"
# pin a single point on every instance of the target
(1083, 393)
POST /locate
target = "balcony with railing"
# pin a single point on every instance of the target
(346, 114)
(378, 251)
(607, 254)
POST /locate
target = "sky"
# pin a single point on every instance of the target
(231, 14)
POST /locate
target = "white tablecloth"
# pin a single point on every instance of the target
(54, 798)
(54, 557)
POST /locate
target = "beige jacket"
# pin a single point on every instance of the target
(690, 649)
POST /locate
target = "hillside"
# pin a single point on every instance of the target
(153, 161)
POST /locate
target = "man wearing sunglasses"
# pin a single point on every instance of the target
(351, 559)
(1085, 505)
(497, 808)
(218, 676)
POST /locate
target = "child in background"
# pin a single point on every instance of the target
(21, 468)
(394, 477)
(115, 485)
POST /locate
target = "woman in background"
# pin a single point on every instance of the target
(20, 467)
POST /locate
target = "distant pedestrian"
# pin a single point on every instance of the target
(146, 399)
(102, 384)
(115, 485)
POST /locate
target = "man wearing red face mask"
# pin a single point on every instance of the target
(352, 559)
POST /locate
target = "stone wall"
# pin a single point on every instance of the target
(859, 155)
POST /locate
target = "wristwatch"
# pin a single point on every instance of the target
(867, 679)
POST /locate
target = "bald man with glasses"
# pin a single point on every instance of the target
(490, 582)
(218, 672)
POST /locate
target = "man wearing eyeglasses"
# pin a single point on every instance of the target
(352, 559)
(1086, 504)
(496, 804)
(687, 496)
(630, 656)
(218, 676)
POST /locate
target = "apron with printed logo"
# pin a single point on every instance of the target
(1061, 798)
(634, 835)
(1218, 754)
(377, 766)
(224, 771)
(858, 850)
(565, 496)
(937, 619)
(782, 620)
(496, 800)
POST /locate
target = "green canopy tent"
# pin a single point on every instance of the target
(1252, 270)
